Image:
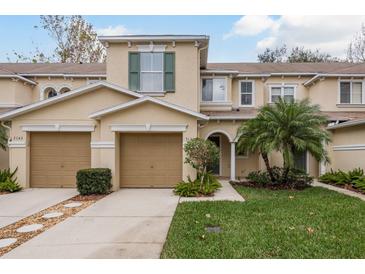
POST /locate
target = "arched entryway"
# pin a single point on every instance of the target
(227, 150)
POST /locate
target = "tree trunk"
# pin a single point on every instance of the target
(268, 167)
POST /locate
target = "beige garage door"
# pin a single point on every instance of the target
(150, 160)
(56, 157)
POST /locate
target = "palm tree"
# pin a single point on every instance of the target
(254, 136)
(291, 127)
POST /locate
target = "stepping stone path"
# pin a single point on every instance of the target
(71, 205)
(52, 215)
(7, 241)
(29, 228)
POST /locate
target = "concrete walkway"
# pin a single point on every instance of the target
(129, 223)
(16, 206)
(226, 193)
(340, 190)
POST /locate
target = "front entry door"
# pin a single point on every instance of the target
(215, 169)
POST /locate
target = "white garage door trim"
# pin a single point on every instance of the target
(149, 128)
(58, 128)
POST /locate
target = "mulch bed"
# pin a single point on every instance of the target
(267, 186)
(4, 192)
(10, 230)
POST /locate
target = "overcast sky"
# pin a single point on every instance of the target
(232, 38)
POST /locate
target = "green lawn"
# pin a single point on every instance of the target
(313, 223)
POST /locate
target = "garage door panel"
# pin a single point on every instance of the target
(150, 160)
(56, 157)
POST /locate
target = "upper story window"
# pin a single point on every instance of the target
(351, 92)
(152, 71)
(50, 92)
(214, 90)
(247, 93)
(287, 92)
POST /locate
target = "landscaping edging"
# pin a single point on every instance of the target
(10, 231)
(340, 190)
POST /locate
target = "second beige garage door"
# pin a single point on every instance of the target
(150, 159)
(55, 157)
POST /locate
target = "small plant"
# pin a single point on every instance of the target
(10, 186)
(197, 187)
(94, 181)
(259, 177)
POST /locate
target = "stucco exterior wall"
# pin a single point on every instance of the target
(14, 92)
(187, 71)
(351, 141)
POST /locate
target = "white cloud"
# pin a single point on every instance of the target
(331, 34)
(251, 25)
(113, 30)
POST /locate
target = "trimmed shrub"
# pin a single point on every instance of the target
(94, 181)
(297, 179)
(354, 179)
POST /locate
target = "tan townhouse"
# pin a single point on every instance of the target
(155, 92)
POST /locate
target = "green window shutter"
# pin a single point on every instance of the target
(169, 71)
(134, 71)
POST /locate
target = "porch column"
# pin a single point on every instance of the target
(233, 161)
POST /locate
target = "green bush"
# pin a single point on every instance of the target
(94, 181)
(354, 178)
(197, 188)
(297, 179)
(8, 181)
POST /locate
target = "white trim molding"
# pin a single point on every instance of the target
(349, 147)
(102, 144)
(58, 128)
(151, 48)
(99, 114)
(216, 131)
(16, 144)
(149, 128)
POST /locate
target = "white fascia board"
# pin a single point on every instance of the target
(65, 96)
(254, 75)
(98, 114)
(232, 117)
(149, 128)
(333, 75)
(218, 71)
(127, 38)
(347, 124)
(349, 147)
(63, 75)
(18, 77)
(57, 128)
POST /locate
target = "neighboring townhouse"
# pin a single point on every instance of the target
(154, 93)
(22, 84)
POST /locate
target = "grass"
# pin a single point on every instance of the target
(313, 223)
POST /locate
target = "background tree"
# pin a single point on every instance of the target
(76, 41)
(356, 49)
(294, 55)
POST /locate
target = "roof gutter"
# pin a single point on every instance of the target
(347, 124)
(61, 75)
(18, 77)
(319, 75)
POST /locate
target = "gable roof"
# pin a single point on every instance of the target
(100, 113)
(65, 96)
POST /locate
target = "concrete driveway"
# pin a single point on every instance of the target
(16, 206)
(130, 223)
